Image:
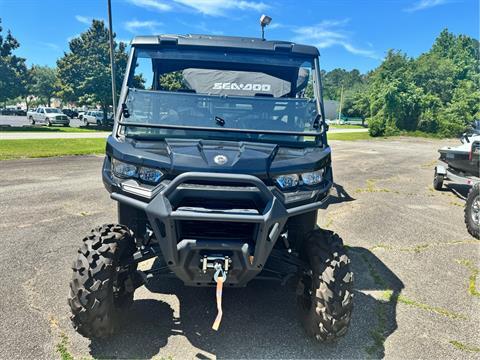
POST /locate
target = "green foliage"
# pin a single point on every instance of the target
(13, 71)
(376, 126)
(84, 72)
(19, 149)
(334, 80)
(43, 83)
(171, 81)
(437, 93)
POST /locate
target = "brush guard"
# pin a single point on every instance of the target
(185, 257)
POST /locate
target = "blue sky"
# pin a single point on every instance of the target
(350, 33)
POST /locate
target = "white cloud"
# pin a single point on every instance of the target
(70, 38)
(275, 26)
(201, 27)
(206, 7)
(51, 45)
(152, 4)
(135, 25)
(330, 33)
(425, 4)
(83, 19)
(220, 7)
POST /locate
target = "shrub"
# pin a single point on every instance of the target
(376, 126)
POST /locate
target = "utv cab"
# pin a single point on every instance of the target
(219, 161)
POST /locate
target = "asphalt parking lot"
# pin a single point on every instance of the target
(416, 290)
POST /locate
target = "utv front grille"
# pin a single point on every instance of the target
(214, 230)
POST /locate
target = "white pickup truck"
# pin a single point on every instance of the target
(48, 116)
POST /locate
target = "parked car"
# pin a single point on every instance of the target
(6, 111)
(70, 113)
(48, 116)
(13, 111)
(95, 117)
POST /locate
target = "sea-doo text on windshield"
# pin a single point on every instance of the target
(240, 86)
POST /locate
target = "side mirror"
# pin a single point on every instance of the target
(464, 139)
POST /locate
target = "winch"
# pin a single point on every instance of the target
(209, 261)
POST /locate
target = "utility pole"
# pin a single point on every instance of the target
(340, 107)
(112, 57)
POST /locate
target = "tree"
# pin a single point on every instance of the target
(334, 80)
(171, 81)
(394, 97)
(462, 110)
(44, 82)
(84, 72)
(439, 92)
(13, 71)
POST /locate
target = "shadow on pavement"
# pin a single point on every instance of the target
(460, 190)
(259, 321)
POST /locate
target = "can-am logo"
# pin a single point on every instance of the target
(242, 87)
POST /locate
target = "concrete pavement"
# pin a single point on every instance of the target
(404, 239)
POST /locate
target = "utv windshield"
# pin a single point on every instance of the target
(221, 95)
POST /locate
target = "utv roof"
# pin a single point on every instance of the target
(233, 42)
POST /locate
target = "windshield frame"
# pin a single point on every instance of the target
(121, 122)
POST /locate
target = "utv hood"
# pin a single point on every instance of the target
(176, 156)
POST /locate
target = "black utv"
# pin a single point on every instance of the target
(219, 161)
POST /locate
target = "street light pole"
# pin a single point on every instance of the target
(112, 57)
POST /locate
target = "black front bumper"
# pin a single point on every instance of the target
(184, 254)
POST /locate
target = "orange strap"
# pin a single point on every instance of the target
(218, 319)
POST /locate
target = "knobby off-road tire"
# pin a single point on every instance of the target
(324, 292)
(472, 211)
(100, 286)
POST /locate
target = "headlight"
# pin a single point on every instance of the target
(287, 181)
(312, 178)
(123, 170)
(292, 180)
(149, 174)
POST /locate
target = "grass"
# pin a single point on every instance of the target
(19, 149)
(350, 136)
(372, 188)
(335, 126)
(464, 347)
(434, 309)
(474, 271)
(46, 129)
(62, 348)
(423, 247)
(378, 334)
(422, 134)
